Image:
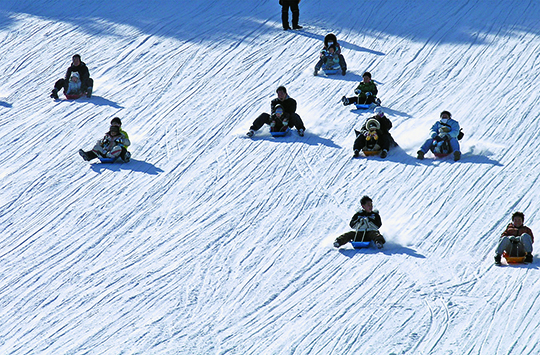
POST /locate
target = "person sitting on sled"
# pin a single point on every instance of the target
(77, 66)
(366, 93)
(113, 145)
(366, 224)
(289, 107)
(444, 132)
(330, 41)
(516, 232)
(375, 133)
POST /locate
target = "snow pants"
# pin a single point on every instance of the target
(360, 236)
(361, 99)
(342, 63)
(293, 5)
(63, 84)
(506, 244)
(294, 121)
(429, 143)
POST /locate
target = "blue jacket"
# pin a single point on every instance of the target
(454, 128)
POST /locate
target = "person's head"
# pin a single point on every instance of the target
(367, 77)
(378, 111)
(281, 93)
(116, 122)
(332, 49)
(74, 77)
(76, 60)
(114, 131)
(278, 110)
(367, 203)
(373, 125)
(330, 39)
(518, 218)
(445, 116)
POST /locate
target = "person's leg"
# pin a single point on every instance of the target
(260, 121)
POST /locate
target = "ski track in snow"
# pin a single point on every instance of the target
(208, 242)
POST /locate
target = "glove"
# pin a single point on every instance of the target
(445, 129)
(105, 142)
(119, 141)
(433, 134)
(443, 135)
(368, 93)
(285, 122)
(273, 124)
(357, 91)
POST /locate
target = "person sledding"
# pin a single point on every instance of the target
(288, 105)
(113, 146)
(79, 67)
(366, 224)
(366, 93)
(516, 237)
(375, 135)
(330, 55)
(444, 136)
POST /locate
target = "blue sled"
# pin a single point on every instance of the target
(330, 71)
(360, 245)
(364, 106)
(281, 133)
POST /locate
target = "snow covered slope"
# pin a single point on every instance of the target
(211, 243)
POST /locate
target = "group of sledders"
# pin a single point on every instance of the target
(77, 83)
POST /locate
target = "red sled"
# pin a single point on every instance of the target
(73, 96)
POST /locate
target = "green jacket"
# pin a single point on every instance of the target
(367, 87)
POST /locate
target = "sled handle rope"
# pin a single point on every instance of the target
(363, 220)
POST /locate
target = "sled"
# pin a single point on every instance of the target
(73, 96)
(516, 255)
(108, 160)
(280, 133)
(360, 245)
(369, 153)
(364, 106)
(330, 71)
(441, 155)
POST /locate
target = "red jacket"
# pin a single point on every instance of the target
(513, 231)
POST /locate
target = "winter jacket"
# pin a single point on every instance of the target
(84, 74)
(513, 231)
(367, 87)
(452, 124)
(109, 142)
(289, 104)
(366, 221)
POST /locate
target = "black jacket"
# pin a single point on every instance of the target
(373, 217)
(289, 104)
(84, 74)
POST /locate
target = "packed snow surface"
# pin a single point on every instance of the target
(209, 242)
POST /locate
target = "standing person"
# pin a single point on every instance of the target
(293, 5)
(380, 136)
(329, 41)
(516, 232)
(444, 135)
(84, 76)
(366, 91)
(113, 145)
(366, 224)
(289, 108)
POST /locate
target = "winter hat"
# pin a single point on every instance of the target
(116, 122)
(76, 75)
(282, 88)
(368, 74)
(279, 109)
(373, 124)
(446, 112)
